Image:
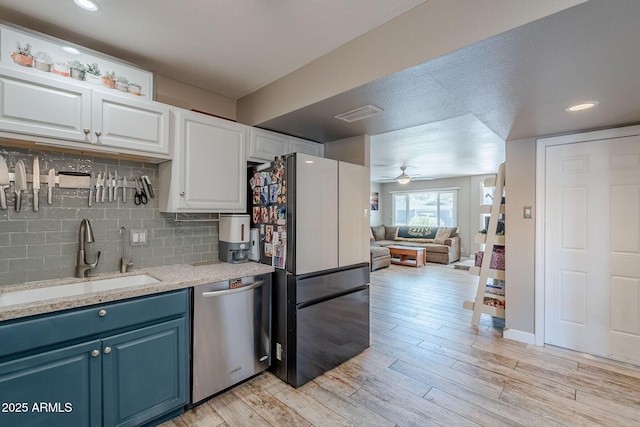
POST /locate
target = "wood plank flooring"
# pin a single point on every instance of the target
(428, 366)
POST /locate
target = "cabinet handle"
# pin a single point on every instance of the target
(182, 193)
(98, 134)
(86, 131)
(95, 353)
(107, 350)
(102, 313)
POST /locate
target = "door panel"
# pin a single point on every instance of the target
(66, 380)
(592, 247)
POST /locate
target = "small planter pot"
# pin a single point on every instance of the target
(135, 89)
(41, 65)
(122, 87)
(61, 70)
(77, 74)
(93, 79)
(110, 83)
(20, 59)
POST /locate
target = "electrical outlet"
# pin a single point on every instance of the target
(138, 237)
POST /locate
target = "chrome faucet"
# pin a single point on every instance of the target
(86, 236)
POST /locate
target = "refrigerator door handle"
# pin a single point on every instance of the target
(233, 291)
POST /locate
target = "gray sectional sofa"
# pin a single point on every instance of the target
(442, 244)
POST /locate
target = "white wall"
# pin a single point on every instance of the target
(376, 216)
(192, 98)
(353, 150)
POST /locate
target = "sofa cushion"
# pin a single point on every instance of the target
(390, 232)
(378, 232)
(371, 238)
(443, 234)
(416, 234)
(377, 251)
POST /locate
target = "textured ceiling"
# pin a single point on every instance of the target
(447, 117)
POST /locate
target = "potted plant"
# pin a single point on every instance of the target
(122, 84)
(92, 75)
(42, 61)
(77, 70)
(135, 88)
(22, 55)
(61, 69)
(109, 79)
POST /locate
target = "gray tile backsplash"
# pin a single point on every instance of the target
(43, 245)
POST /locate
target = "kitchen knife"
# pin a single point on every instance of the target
(115, 186)
(51, 182)
(124, 190)
(146, 184)
(103, 189)
(98, 186)
(36, 184)
(110, 186)
(4, 182)
(20, 183)
(92, 184)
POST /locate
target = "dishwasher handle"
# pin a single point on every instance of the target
(233, 291)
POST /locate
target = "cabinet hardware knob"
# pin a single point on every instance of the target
(95, 353)
(86, 131)
(182, 193)
(107, 350)
(102, 313)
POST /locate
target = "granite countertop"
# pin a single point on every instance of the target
(170, 278)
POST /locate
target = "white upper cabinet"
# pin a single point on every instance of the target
(130, 124)
(208, 172)
(265, 145)
(299, 145)
(75, 116)
(40, 106)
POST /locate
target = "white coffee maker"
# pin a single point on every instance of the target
(234, 238)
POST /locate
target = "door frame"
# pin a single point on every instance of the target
(540, 265)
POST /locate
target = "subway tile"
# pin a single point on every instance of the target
(4, 265)
(44, 225)
(61, 237)
(13, 277)
(24, 264)
(5, 239)
(14, 226)
(11, 252)
(44, 250)
(19, 239)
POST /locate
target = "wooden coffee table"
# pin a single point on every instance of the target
(407, 255)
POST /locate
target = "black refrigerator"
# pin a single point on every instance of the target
(312, 218)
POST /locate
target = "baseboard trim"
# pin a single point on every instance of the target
(521, 336)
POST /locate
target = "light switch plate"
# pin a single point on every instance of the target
(138, 237)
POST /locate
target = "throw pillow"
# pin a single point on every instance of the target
(390, 232)
(441, 235)
(378, 232)
(416, 232)
(371, 235)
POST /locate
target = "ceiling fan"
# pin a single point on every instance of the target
(403, 178)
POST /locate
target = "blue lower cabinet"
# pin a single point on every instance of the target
(124, 377)
(60, 387)
(145, 373)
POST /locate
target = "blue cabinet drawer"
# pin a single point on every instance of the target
(21, 335)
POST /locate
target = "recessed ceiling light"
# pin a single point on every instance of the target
(71, 50)
(581, 106)
(89, 5)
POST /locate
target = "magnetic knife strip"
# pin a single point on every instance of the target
(71, 181)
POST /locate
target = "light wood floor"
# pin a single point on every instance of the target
(428, 366)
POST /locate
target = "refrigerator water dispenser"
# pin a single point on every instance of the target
(234, 238)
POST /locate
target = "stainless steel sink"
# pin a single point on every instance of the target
(74, 289)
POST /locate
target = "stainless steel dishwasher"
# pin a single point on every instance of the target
(231, 333)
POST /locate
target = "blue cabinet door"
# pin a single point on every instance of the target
(60, 387)
(145, 373)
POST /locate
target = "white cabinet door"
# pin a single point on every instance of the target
(44, 107)
(208, 172)
(353, 214)
(299, 145)
(130, 124)
(265, 145)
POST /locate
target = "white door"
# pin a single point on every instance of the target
(592, 247)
